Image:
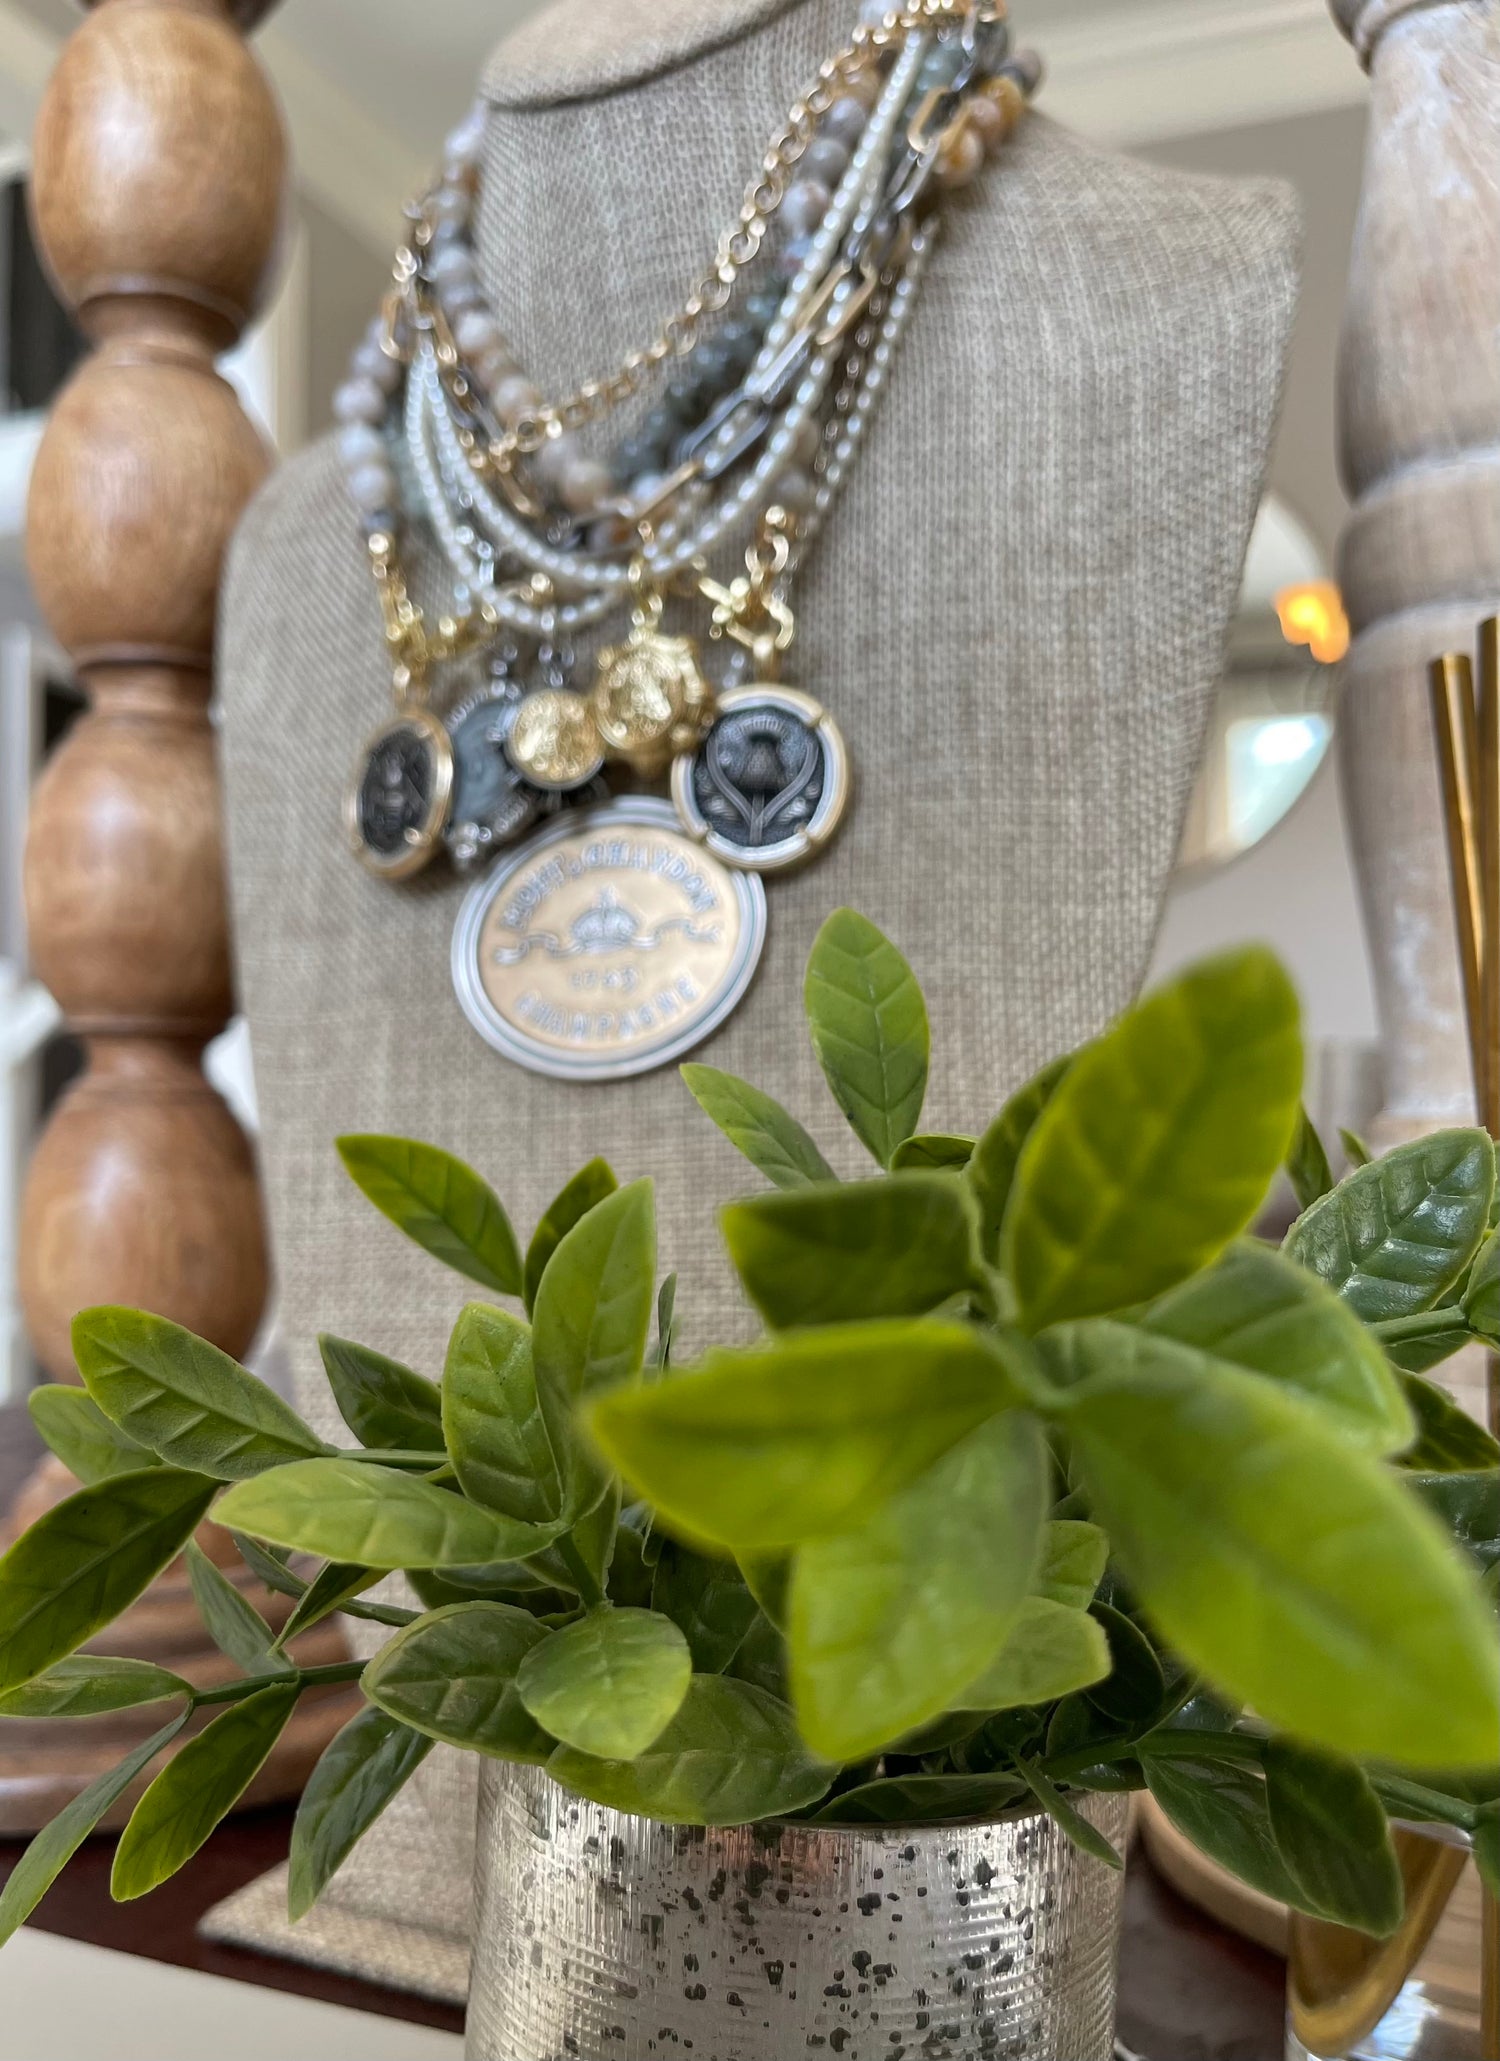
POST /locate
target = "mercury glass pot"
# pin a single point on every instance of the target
(598, 1934)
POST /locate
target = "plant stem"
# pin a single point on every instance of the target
(1422, 1325)
(1244, 1746)
(1400, 1796)
(380, 1613)
(306, 1678)
(371, 1456)
(588, 1588)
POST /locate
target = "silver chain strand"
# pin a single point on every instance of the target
(678, 545)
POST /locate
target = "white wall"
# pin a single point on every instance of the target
(1295, 891)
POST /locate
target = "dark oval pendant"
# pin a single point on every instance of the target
(769, 784)
(492, 804)
(397, 803)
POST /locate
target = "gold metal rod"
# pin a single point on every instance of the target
(1487, 813)
(1451, 680)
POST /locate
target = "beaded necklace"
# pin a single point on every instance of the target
(741, 419)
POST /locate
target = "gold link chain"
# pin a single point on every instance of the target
(740, 245)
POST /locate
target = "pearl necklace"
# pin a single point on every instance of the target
(761, 387)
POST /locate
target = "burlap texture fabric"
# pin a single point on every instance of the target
(1017, 612)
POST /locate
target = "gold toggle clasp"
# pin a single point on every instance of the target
(749, 609)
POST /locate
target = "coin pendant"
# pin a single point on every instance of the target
(607, 944)
(770, 783)
(397, 802)
(553, 741)
(651, 700)
(492, 804)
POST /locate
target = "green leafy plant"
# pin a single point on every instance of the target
(1044, 1478)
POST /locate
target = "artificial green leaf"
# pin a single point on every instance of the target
(496, 1437)
(1159, 1144)
(609, 1684)
(233, 1623)
(335, 1584)
(1332, 1834)
(90, 1684)
(452, 1676)
(55, 1845)
(1136, 1689)
(1307, 1163)
(592, 1320)
(197, 1789)
(1074, 1556)
(361, 1769)
(1291, 1568)
(759, 1450)
(1449, 1440)
(1356, 1151)
(708, 1600)
(923, 1800)
(869, 1029)
(992, 1171)
(383, 1403)
(1481, 1300)
(1050, 1651)
(1259, 1311)
(513, 1581)
(888, 1622)
(1086, 1837)
(666, 1324)
(933, 1153)
(582, 1560)
(1468, 1506)
(1222, 1808)
(1414, 1344)
(88, 1559)
(1394, 1236)
(77, 1430)
(269, 1563)
(375, 1517)
(768, 1577)
(570, 1206)
(183, 1398)
(761, 1660)
(630, 1578)
(862, 1249)
(441, 1204)
(769, 1136)
(731, 1756)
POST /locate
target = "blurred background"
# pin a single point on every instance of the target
(371, 86)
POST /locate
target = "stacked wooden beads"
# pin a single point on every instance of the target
(158, 188)
(158, 181)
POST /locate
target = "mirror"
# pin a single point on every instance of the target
(1273, 722)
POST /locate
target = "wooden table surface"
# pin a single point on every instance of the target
(1188, 1991)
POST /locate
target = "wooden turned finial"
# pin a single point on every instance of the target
(158, 193)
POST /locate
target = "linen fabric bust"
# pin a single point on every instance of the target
(1018, 611)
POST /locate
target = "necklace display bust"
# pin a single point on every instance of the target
(1018, 609)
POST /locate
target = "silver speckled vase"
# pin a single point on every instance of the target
(612, 1938)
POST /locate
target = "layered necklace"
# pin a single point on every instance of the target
(597, 545)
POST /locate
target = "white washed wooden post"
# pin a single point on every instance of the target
(1419, 407)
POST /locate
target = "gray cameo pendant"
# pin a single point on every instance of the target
(492, 803)
(769, 784)
(608, 944)
(397, 802)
